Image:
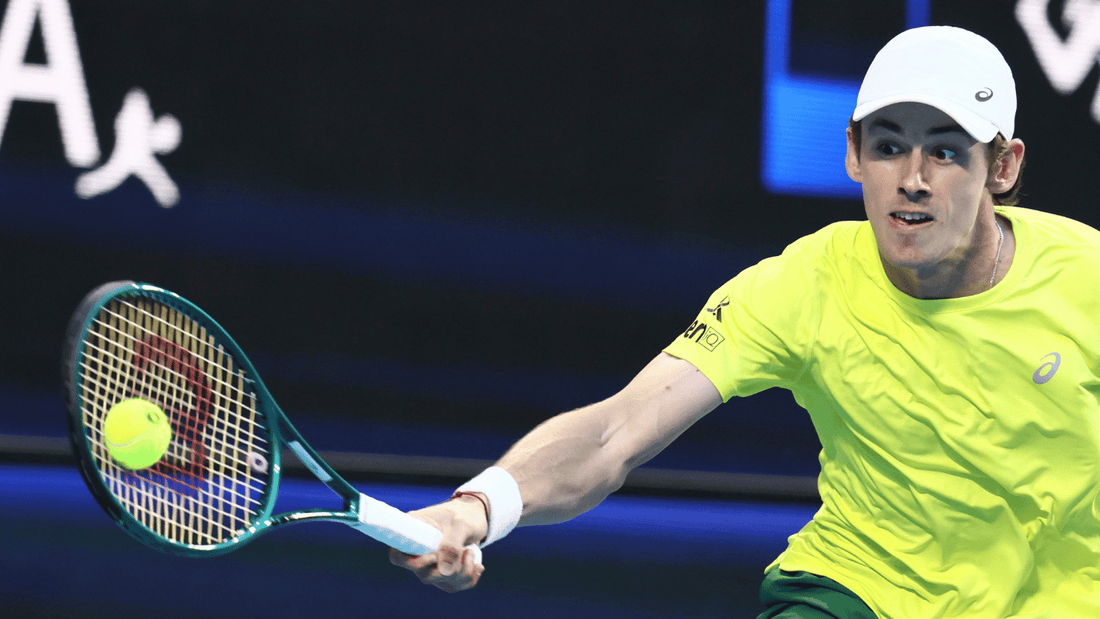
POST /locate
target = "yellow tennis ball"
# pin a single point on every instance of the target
(137, 433)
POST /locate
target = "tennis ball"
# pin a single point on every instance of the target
(137, 433)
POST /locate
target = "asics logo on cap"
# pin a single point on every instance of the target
(984, 94)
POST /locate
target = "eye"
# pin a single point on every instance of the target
(944, 154)
(887, 148)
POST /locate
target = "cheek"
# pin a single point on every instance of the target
(877, 187)
(965, 191)
(962, 210)
(971, 178)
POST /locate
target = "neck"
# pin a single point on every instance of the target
(974, 270)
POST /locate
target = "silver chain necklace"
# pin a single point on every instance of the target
(999, 244)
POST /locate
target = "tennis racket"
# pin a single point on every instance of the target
(215, 487)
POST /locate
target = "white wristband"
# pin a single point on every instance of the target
(505, 502)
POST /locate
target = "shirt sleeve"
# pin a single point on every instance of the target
(756, 330)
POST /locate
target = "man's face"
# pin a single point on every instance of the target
(923, 181)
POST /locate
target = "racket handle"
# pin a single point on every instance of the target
(399, 530)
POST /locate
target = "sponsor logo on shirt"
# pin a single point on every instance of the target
(704, 335)
(717, 310)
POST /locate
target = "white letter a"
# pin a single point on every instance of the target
(60, 81)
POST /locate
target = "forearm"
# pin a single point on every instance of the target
(570, 463)
(563, 467)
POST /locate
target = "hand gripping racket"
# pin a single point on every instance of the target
(214, 489)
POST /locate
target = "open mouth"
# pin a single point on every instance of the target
(911, 219)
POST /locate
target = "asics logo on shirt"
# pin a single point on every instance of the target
(1048, 369)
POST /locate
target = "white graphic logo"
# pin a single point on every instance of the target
(1047, 370)
(137, 138)
(61, 82)
(1066, 62)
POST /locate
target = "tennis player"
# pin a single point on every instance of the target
(947, 350)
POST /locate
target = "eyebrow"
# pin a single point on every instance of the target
(896, 128)
(952, 128)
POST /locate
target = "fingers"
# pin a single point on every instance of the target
(462, 572)
(465, 575)
(453, 566)
(411, 562)
(449, 559)
(453, 553)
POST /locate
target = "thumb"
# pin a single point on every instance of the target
(448, 558)
(449, 555)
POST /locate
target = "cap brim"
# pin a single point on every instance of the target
(980, 129)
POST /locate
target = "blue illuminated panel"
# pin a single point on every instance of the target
(805, 115)
(670, 530)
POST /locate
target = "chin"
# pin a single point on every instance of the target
(909, 259)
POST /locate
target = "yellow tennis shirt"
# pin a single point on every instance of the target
(960, 461)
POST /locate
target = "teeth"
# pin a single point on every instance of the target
(912, 216)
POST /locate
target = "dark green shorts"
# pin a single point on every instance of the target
(801, 595)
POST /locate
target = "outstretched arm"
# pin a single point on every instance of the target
(572, 462)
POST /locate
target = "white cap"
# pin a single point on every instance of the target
(954, 70)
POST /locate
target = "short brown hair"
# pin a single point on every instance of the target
(998, 148)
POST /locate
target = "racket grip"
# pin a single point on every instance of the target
(399, 530)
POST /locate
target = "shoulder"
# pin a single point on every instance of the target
(839, 237)
(1052, 231)
(813, 262)
(832, 253)
(1061, 256)
(822, 250)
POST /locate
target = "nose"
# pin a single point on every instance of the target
(913, 182)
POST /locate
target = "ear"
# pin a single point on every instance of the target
(1008, 169)
(851, 161)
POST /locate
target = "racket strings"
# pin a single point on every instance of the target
(162, 390)
(213, 481)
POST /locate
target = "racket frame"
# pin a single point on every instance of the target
(359, 511)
